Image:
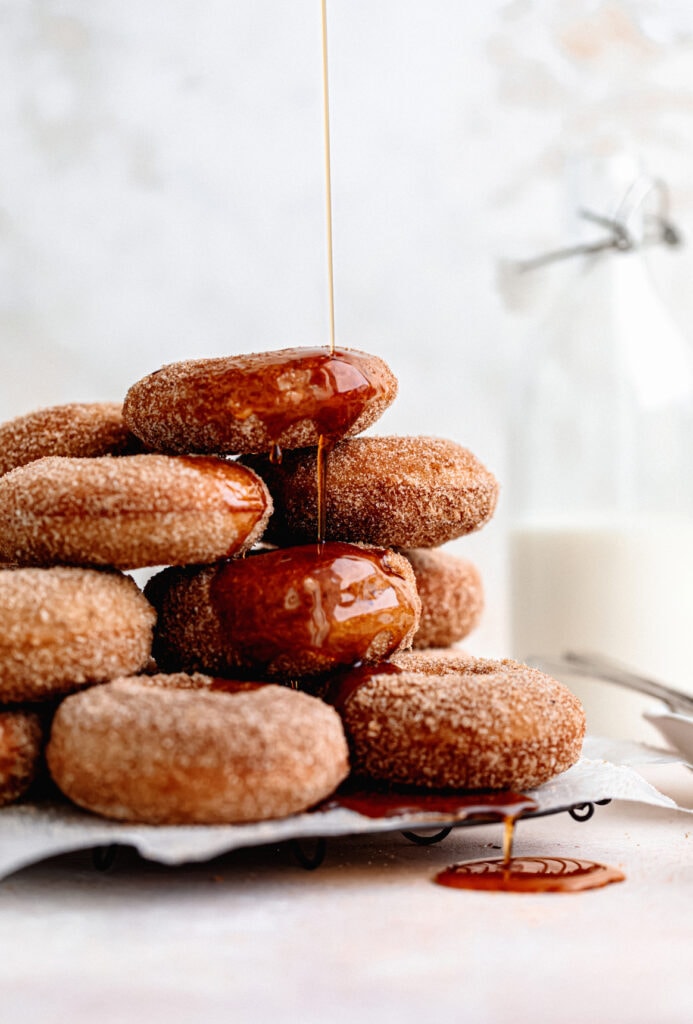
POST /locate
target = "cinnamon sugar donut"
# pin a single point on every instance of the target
(131, 512)
(259, 402)
(452, 596)
(63, 628)
(285, 614)
(408, 492)
(77, 430)
(21, 748)
(189, 749)
(485, 725)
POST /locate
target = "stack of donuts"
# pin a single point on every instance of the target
(300, 621)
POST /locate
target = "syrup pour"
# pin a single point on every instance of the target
(328, 173)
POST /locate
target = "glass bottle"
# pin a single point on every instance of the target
(601, 481)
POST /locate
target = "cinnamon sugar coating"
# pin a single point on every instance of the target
(252, 402)
(392, 491)
(285, 614)
(452, 596)
(64, 628)
(78, 430)
(484, 725)
(130, 512)
(21, 748)
(174, 750)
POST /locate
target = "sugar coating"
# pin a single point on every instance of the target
(63, 628)
(79, 430)
(482, 725)
(406, 492)
(21, 747)
(170, 750)
(129, 512)
(452, 596)
(181, 408)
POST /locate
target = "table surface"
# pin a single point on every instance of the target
(368, 936)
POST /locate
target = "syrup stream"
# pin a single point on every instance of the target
(328, 172)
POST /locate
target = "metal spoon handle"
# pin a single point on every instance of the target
(599, 667)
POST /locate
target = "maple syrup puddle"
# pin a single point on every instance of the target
(502, 874)
(529, 874)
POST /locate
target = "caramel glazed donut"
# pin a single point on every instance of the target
(190, 749)
(442, 721)
(260, 402)
(78, 430)
(130, 512)
(285, 614)
(405, 492)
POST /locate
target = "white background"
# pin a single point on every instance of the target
(161, 189)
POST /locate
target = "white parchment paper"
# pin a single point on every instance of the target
(33, 832)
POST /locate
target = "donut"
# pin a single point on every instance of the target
(260, 402)
(406, 492)
(452, 596)
(484, 725)
(79, 430)
(21, 749)
(189, 749)
(285, 614)
(64, 628)
(131, 512)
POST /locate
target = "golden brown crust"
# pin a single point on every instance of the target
(285, 614)
(131, 512)
(78, 430)
(64, 628)
(486, 725)
(452, 596)
(175, 750)
(21, 748)
(392, 491)
(252, 402)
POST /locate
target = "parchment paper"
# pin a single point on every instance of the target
(33, 832)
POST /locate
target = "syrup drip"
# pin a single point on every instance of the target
(529, 874)
(327, 601)
(275, 455)
(240, 495)
(396, 801)
(343, 685)
(324, 446)
(234, 685)
(282, 388)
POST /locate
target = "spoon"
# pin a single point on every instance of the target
(599, 667)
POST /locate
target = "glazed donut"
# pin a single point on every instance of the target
(189, 749)
(285, 614)
(452, 596)
(131, 512)
(64, 628)
(486, 725)
(259, 402)
(21, 749)
(407, 492)
(79, 430)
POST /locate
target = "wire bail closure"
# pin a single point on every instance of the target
(659, 228)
